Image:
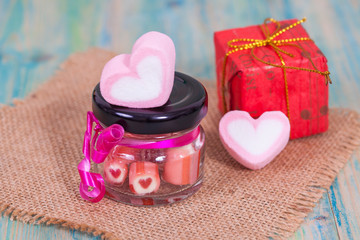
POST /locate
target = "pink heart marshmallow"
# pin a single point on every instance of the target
(254, 142)
(144, 78)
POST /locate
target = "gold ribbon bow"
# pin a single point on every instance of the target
(275, 45)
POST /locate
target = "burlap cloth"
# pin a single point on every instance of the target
(41, 140)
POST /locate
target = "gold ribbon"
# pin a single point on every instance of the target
(275, 45)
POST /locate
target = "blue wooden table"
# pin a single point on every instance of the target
(36, 36)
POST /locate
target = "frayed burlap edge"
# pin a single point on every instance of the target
(305, 203)
(34, 218)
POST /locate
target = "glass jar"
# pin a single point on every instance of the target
(165, 173)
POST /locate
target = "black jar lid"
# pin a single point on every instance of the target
(185, 108)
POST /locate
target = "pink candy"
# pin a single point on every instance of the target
(144, 78)
(115, 172)
(144, 178)
(254, 142)
(182, 166)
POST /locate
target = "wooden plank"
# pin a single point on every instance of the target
(17, 230)
(344, 194)
(34, 42)
(319, 224)
(344, 197)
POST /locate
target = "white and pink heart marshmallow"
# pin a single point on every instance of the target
(254, 143)
(144, 78)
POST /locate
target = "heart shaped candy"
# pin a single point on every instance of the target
(144, 78)
(145, 183)
(115, 173)
(254, 142)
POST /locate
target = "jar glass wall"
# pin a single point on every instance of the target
(140, 176)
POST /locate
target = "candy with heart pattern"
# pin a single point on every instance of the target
(144, 178)
(115, 172)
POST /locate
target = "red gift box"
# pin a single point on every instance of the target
(252, 79)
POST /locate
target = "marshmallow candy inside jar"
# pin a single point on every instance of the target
(160, 157)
